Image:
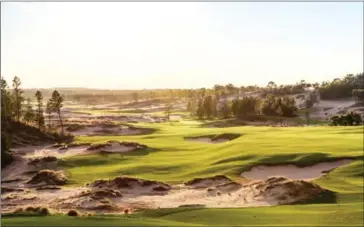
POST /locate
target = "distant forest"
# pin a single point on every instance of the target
(348, 86)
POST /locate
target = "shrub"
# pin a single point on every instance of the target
(348, 119)
(33, 211)
(72, 213)
(44, 211)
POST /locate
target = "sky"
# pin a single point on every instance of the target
(143, 45)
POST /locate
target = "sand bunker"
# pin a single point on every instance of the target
(225, 137)
(263, 172)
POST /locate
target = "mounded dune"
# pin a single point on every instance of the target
(286, 191)
(101, 193)
(49, 177)
(132, 185)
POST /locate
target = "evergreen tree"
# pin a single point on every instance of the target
(17, 98)
(39, 118)
(56, 104)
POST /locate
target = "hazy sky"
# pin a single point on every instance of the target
(126, 45)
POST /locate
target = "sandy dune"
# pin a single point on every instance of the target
(140, 194)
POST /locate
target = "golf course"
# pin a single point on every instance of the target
(172, 159)
(182, 114)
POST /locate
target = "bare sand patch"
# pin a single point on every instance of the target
(262, 172)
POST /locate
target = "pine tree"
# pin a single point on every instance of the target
(39, 118)
(56, 104)
(17, 98)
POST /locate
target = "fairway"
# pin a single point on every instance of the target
(173, 159)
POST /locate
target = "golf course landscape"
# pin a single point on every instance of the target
(174, 160)
(182, 114)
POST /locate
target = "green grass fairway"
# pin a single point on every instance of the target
(172, 159)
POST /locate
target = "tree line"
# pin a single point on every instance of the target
(338, 88)
(14, 107)
(210, 106)
(348, 86)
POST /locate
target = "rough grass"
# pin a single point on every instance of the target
(175, 160)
